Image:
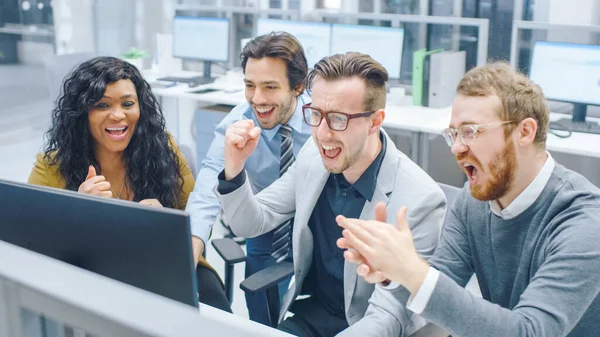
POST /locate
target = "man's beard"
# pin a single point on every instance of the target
(501, 174)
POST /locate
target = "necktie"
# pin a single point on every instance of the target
(281, 234)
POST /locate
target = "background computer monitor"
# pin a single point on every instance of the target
(203, 39)
(384, 44)
(569, 73)
(315, 37)
(145, 247)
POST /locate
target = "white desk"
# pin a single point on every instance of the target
(413, 120)
(420, 122)
(234, 97)
(582, 144)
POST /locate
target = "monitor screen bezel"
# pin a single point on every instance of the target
(200, 18)
(565, 44)
(370, 27)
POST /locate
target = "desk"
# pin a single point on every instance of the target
(581, 144)
(413, 120)
(421, 123)
(180, 104)
(234, 97)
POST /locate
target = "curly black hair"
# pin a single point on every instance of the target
(152, 166)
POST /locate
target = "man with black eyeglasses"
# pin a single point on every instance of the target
(526, 226)
(359, 167)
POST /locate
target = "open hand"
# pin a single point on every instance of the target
(382, 250)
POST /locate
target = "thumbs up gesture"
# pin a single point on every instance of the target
(95, 184)
(383, 251)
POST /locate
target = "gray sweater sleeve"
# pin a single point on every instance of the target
(554, 301)
(452, 255)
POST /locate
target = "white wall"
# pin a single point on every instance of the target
(73, 25)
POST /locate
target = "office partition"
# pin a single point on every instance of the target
(99, 306)
(520, 26)
(315, 37)
(383, 44)
(238, 15)
(397, 19)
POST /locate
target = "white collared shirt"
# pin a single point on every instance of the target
(529, 195)
(418, 302)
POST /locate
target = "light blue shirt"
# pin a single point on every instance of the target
(262, 166)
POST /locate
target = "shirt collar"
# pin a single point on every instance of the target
(365, 185)
(524, 200)
(295, 121)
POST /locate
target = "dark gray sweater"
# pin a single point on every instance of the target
(539, 273)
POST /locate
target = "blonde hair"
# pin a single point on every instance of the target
(352, 64)
(521, 98)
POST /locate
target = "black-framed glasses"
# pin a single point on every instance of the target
(467, 133)
(337, 121)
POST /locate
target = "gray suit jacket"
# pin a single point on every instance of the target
(370, 310)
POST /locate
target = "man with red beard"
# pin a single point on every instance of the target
(274, 68)
(359, 167)
(526, 226)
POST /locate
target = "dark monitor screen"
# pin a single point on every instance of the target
(149, 248)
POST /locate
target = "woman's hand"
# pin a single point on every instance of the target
(151, 203)
(95, 185)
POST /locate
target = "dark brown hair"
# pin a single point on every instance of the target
(353, 64)
(283, 46)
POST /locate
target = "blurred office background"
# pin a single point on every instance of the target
(33, 30)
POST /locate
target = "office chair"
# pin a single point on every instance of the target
(189, 156)
(268, 278)
(265, 280)
(57, 67)
(451, 193)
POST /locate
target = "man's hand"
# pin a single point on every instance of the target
(197, 249)
(151, 202)
(95, 185)
(241, 139)
(382, 250)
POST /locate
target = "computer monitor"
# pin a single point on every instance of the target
(383, 44)
(315, 37)
(570, 73)
(203, 39)
(142, 246)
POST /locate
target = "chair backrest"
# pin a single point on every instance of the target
(190, 158)
(58, 67)
(451, 193)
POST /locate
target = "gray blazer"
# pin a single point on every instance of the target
(370, 310)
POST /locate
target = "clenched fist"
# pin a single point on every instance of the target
(241, 139)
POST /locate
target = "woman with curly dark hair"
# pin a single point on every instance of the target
(108, 139)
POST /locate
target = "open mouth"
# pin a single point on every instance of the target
(117, 133)
(331, 151)
(471, 172)
(264, 112)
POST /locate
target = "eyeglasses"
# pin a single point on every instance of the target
(467, 133)
(337, 121)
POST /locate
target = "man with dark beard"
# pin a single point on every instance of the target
(526, 226)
